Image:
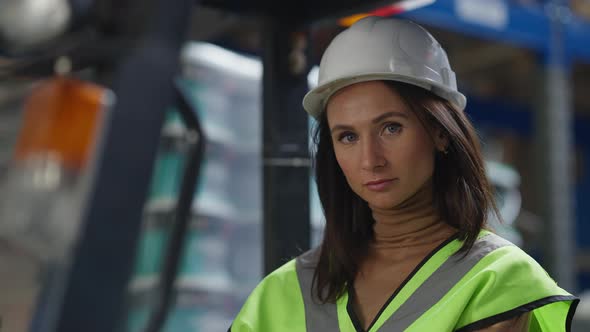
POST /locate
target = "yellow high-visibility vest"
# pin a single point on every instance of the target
(495, 281)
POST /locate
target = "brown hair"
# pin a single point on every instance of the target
(462, 194)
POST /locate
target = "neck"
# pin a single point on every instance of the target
(413, 222)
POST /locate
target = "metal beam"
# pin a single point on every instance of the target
(302, 11)
(285, 145)
(481, 57)
(506, 21)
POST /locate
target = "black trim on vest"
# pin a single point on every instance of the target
(486, 322)
(570, 315)
(351, 313)
(349, 306)
(229, 330)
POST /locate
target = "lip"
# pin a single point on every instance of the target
(379, 185)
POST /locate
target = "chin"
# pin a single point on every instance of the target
(383, 203)
(383, 206)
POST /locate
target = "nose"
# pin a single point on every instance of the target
(372, 156)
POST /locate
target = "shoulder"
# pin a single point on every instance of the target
(305, 261)
(497, 256)
(288, 274)
(279, 281)
(504, 266)
(276, 304)
(504, 282)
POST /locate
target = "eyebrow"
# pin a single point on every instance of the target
(374, 121)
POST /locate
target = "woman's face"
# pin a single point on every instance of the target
(385, 152)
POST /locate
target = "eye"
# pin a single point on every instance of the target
(347, 137)
(392, 128)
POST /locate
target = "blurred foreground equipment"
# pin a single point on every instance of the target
(41, 190)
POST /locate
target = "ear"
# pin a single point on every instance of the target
(441, 140)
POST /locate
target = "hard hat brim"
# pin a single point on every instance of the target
(316, 99)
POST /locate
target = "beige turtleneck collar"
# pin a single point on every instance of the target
(414, 222)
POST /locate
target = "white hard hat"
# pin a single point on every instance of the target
(376, 48)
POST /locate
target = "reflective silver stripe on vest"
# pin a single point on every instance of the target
(324, 317)
(318, 317)
(440, 283)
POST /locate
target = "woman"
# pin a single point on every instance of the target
(403, 188)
